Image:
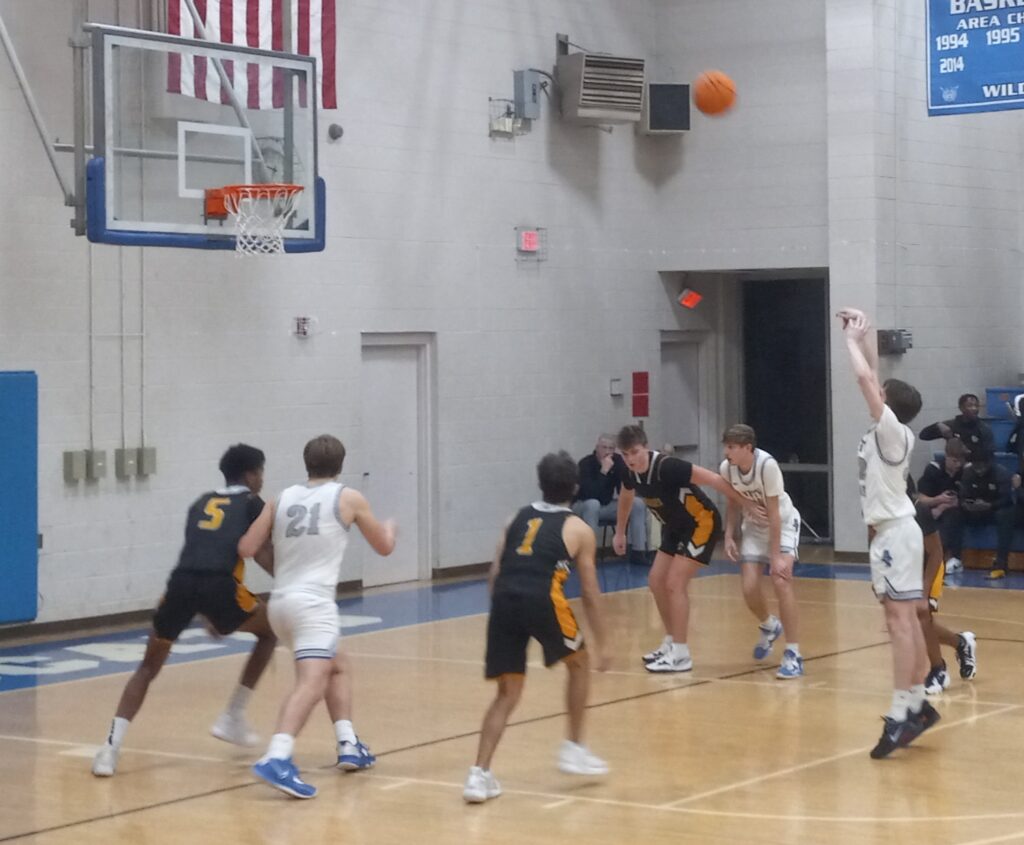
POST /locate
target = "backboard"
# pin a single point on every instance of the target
(174, 117)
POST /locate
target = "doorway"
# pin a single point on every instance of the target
(680, 392)
(786, 388)
(396, 405)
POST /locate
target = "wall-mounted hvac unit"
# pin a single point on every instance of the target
(600, 89)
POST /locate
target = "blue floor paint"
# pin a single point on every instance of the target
(85, 657)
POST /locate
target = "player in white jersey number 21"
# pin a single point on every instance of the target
(309, 525)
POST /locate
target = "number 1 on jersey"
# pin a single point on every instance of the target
(532, 527)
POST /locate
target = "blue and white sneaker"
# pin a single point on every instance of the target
(353, 756)
(282, 774)
(792, 665)
(768, 637)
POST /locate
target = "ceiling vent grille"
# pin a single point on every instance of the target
(601, 89)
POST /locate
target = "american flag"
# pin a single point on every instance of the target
(256, 23)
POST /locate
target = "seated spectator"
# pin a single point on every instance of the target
(966, 426)
(938, 489)
(597, 499)
(985, 500)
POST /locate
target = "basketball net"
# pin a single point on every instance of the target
(260, 213)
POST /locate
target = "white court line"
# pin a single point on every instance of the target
(74, 749)
(554, 797)
(398, 784)
(824, 760)
(991, 840)
(555, 804)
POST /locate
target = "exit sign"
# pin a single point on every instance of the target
(529, 240)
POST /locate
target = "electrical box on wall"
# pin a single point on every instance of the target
(146, 461)
(894, 341)
(95, 464)
(74, 466)
(125, 462)
(526, 90)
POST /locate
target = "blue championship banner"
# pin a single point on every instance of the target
(975, 55)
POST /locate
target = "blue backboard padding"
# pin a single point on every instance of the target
(19, 509)
(98, 233)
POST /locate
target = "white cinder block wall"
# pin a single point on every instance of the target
(422, 206)
(924, 229)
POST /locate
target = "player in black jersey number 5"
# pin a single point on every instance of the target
(691, 527)
(531, 565)
(207, 581)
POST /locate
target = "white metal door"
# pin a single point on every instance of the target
(391, 439)
(679, 395)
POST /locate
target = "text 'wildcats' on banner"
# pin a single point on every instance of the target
(975, 55)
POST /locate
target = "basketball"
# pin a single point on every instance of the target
(714, 92)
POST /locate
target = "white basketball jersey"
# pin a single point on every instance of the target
(884, 461)
(763, 480)
(309, 539)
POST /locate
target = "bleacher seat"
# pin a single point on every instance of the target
(980, 541)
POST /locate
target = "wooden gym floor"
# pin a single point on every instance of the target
(726, 753)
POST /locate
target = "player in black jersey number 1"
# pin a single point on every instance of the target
(531, 564)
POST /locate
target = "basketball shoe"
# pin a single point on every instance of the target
(670, 663)
(769, 634)
(926, 717)
(895, 735)
(282, 774)
(481, 785)
(659, 652)
(576, 759)
(966, 655)
(234, 729)
(353, 756)
(104, 764)
(792, 665)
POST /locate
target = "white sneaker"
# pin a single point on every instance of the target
(480, 785)
(668, 663)
(954, 565)
(659, 652)
(234, 729)
(575, 759)
(104, 764)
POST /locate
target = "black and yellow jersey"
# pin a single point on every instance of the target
(670, 495)
(216, 522)
(535, 559)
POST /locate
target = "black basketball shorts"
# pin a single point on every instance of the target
(223, 600)
(515, 618)
(688, 544)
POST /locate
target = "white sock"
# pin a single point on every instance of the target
(900, 705)
(280, 748)
(118, 728)
(344, 731)
(680, 651)
(238, 701)
(793, 647)
(916, 698)
(770, 623)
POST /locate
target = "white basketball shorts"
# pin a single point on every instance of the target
(896, 553)
(305, 622)
(754, 540)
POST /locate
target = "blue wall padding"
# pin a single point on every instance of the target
(19, 496)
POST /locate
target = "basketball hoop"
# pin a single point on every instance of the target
(260, 212)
